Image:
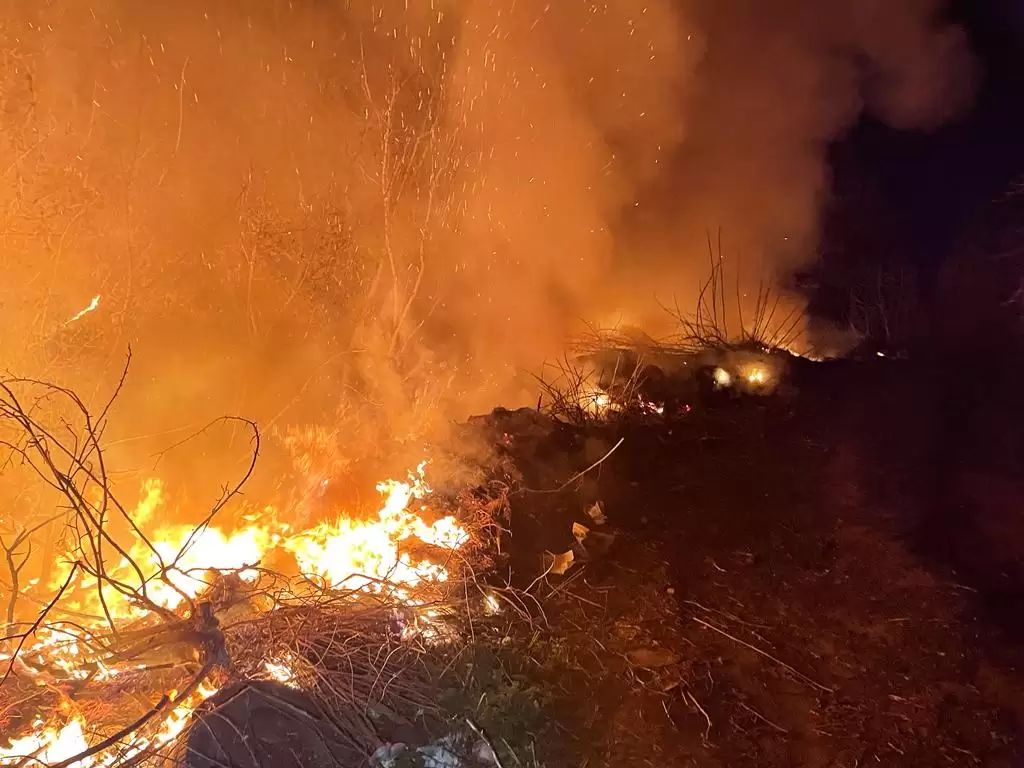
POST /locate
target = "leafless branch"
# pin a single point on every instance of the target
(707, 326)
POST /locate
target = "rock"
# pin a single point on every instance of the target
(261, 724)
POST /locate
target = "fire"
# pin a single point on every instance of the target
(47, 745)
(211, 550)
(756, 374)
(362, 555)
(722, 378)
(182, 562)
(594, 401)
(177, 561)
(279, 672)
(355, 554)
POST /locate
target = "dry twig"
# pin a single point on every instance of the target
(799, 675)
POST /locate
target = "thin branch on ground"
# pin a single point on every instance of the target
(799, 675)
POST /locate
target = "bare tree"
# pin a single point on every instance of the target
(883, 305)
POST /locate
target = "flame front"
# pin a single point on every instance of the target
(366, 554)
(356, 554)
(181, 562)
(48, 745)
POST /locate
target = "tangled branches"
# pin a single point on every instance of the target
(571, 393)
(71, 462)
(707, 327)
(129, 622)
(49, 431)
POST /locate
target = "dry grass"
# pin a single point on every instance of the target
(375, 658)
(572, 393)
(769, 326)
(375, 662)
(726, 328)
(723, 319)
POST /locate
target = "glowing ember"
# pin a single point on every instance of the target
(491, 604)
(756, 374)
(594, 401)
(722, 377)
(279, 672)
(92, 306)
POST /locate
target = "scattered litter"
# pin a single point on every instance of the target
(596, 544)
(591, 544)
(451, 751)
(579, 532)
(558, 564)
(442, 754)
(388, 755)
(596, 513)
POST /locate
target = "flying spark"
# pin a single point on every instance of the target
(92, 305)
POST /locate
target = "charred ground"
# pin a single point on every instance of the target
(823, 579)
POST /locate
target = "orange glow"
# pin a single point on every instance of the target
(756, 375)
(356, 554)
(49, 744)
(363, 554)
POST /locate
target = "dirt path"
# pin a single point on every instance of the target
(789, 621)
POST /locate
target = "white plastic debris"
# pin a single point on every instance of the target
(387, 755)
(443, 753)
(596, 513)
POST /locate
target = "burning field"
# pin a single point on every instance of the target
(135, 635)
(647, 582)
(138, 622)
(330, 235)
(136, 640)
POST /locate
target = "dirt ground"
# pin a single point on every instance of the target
(813, 581)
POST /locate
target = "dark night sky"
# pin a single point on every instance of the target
(914, 197)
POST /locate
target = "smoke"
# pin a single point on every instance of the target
(295, 210)
(776, 83)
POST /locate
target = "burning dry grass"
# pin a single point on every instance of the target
(582, 394)
(373, 663)
(573, 394)
(769, 323)
(139, 633)
(725, 318)
(739, 344)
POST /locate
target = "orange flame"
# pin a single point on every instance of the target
(358, 554)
